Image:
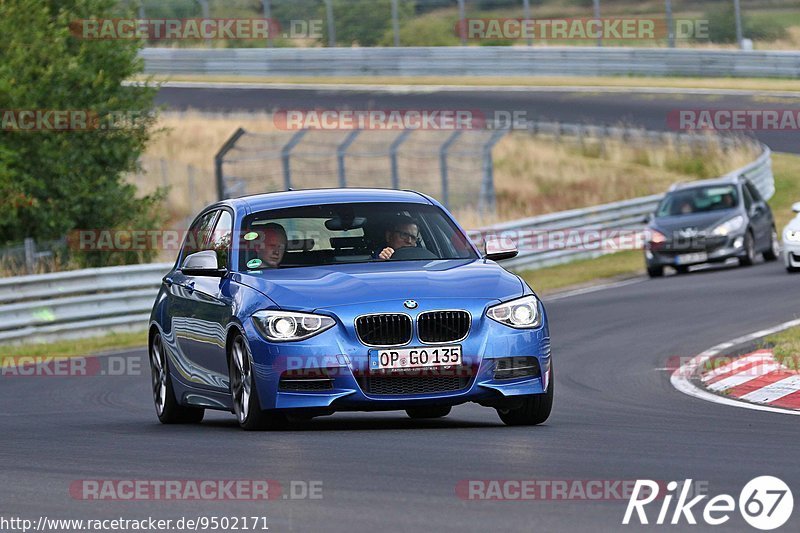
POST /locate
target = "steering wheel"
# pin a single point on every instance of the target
(412, 252)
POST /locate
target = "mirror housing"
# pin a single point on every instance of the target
(647, 219)
(796, 207)
(203, 264)
(500, 248)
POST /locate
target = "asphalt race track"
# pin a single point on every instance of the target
(616, 417)
(645, 110)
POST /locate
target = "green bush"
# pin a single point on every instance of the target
(426, 30)
(51, 181)
(722, 26)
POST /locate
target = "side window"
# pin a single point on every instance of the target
(197, 235)
(220, 240)
(748, 198)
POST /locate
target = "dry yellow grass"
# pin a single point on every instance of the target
(533, 175)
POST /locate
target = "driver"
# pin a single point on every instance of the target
(403, 232)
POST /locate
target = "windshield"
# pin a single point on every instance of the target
(698, 200)
(349, 233)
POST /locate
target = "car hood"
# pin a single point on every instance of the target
(309, 288)
(794, 224)
(700, 221)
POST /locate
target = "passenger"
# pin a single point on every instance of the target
(404, 232)
(274, 244)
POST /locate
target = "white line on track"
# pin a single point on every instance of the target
(681, 378)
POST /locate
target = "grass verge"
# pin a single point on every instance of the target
(786, 347)
(588, 271)
(77, 347)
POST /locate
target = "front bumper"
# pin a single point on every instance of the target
(337, 357)
(791, 254)
(716, 249)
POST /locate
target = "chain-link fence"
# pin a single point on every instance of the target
(455, 167)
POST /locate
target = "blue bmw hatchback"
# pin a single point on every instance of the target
(290, 305)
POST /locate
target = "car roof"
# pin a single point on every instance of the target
(704, 183)
(284, 199)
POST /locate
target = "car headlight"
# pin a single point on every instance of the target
(655, 236)
(522, 313)
(281, 326)
(728, 227)
(791, 236)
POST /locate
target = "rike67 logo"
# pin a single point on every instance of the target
(765, 503)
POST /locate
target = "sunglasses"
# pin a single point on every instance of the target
(408, 236)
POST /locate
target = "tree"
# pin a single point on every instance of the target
(51, 181)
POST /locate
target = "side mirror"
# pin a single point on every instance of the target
(203, 264)
(796, 207)
(498, 248)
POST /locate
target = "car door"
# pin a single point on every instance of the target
(190, 333)
(760, 216)
(208, 308)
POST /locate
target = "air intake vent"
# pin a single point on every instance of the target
(517, 367)
(443, 326)
(384, 330)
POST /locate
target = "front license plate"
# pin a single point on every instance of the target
(686, 259)
(421, 357)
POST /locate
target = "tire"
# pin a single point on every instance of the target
(792, 270)
(750, 250)
(246, 405)
(168, 410)
(655, 272)
(535, 408)
(774, 251)
(436, 411)
(682, 269)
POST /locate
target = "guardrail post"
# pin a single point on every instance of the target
(443, 166)
(737, 8)
(487, 198)
(286, 154)
(597, 17)
(526, 14)
(393, 157)
(331, 23)
(30, 255)
(341, 151)
(670, 25)
(462, 23)
(219, 159)
(395, 24)
(265, 4)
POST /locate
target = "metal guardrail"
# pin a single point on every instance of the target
(78, 303)
(472, 61)
(97, 301)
